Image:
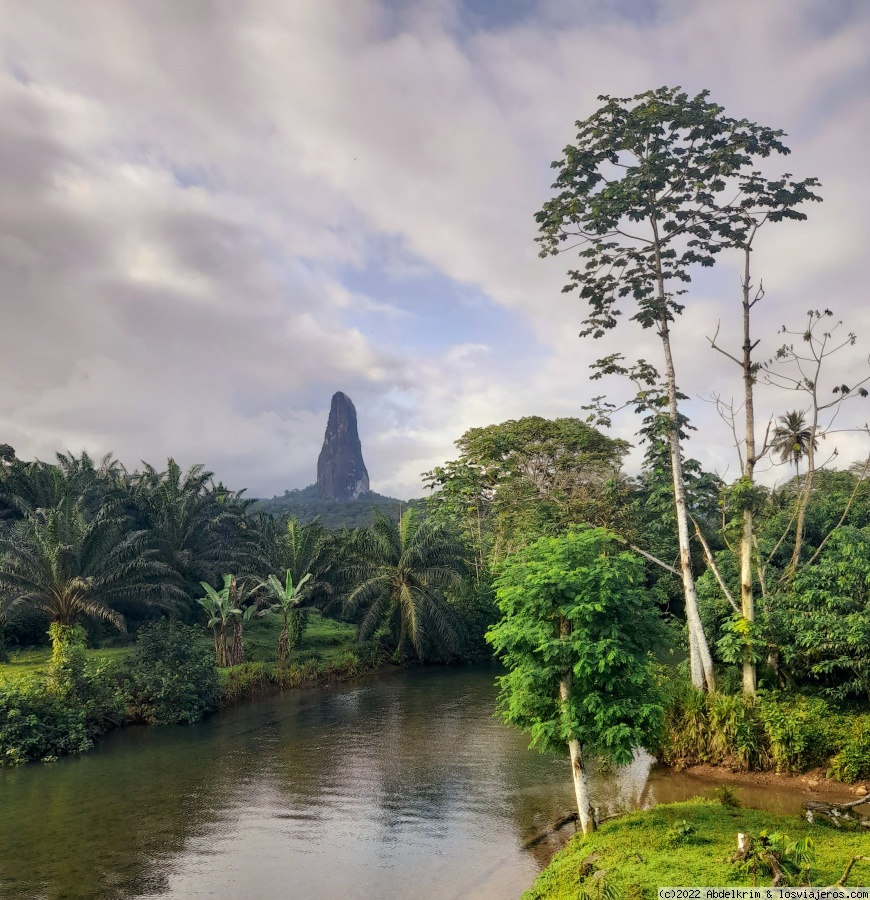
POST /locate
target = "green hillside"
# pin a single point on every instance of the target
(308, 504)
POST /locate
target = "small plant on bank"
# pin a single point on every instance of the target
(600, 889)
(727, 796)
(682, 832)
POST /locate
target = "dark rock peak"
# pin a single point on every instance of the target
(341, 472)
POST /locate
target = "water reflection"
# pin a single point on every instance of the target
(403, 786)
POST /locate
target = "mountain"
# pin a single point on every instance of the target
(341, 472)
(341, 495)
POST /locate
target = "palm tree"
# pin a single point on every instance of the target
(28, 486)
(401, 570)
(70, 565)
(301, 549)
(194, 523)
(791, 439)
(286, 599)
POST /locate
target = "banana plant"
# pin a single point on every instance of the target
(241, 593)
(221, 609)
(286, 598)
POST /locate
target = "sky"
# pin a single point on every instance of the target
(214, 215)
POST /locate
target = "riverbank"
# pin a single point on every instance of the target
(688, 844)
(53, 707)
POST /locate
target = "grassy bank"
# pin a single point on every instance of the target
(328, 652)
(325, 641)
(687, 844)
(50, 707)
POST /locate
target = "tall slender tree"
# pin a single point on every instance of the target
(647, 192)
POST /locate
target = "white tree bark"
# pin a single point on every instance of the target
(701, 661)
(578, 772)
(581, 788)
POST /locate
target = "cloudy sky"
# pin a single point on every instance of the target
(213, 215)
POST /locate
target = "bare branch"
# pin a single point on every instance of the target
(711, 562)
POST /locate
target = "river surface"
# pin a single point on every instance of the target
(400, 786)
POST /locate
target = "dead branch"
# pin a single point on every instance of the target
(711, 562)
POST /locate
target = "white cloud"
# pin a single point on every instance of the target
(184, 189)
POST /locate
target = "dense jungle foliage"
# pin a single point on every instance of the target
(98, 555)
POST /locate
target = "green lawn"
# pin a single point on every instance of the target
(643, 851)
(24, 663)
(324, 638)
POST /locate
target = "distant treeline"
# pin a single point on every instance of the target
(309, 504)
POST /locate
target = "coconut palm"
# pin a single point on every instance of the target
(401, 571)
(286, 599)
(71, 565)
(791, 439)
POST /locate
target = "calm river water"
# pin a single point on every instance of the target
(402, 786)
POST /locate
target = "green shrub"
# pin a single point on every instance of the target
(680, 832)
(63, 712)
(769, 730)
(346, 663)
(800, 731)
(172, 677)
(852, 763)
(727, 796)
(310, 669)
(736, 737)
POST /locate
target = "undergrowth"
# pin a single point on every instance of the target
(771, 730)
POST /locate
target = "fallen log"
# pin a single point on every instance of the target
(840, 815)
(542, 836)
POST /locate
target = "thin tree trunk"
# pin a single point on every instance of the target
(747, 600)
(578, 772)
(702, 669)
(699, 646)
(804, 498)
(581, 788)
(223, 646)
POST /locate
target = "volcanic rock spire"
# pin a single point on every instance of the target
(341, 472)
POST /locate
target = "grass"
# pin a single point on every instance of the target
(34, 661)
(326, 640)
(645, 850)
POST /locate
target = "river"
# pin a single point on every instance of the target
(398, 786)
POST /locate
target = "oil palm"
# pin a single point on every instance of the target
(71, 565)
(401, 572)
(194, 522)
(300, 549)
